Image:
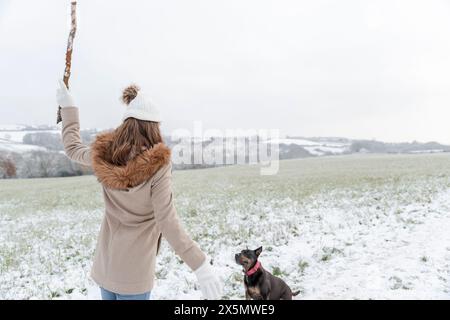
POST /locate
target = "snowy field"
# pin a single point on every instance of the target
(349, 227)
(11, 139)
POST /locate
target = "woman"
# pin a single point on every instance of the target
(133, 166)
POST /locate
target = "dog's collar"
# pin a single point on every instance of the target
(253, 269)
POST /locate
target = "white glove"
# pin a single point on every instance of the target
(63, 96)
(210, 284)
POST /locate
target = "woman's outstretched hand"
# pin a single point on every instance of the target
(210, 284)
(63, 96)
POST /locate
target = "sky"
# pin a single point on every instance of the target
(354, 68)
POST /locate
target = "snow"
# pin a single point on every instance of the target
(390, 260)
(11, 138)
(11, 127)
(428, 151)
(300, 142)
(304, 142)
(315, 148)
(350, 227)
(17, 136)
(6, 146)
(323, 150)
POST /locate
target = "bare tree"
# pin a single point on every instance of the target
(51, 141)
(46, 163)
(8, 168)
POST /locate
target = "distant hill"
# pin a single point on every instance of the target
(27, 145)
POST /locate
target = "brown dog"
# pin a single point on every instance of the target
(259, 283)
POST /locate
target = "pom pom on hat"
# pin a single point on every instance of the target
(139, 106)
(129, 93)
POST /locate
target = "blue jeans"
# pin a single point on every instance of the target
(108, 295)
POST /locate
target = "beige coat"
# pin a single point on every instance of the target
(138, 209)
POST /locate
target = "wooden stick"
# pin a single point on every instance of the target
(67, 71)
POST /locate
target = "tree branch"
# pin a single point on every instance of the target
(67, 71)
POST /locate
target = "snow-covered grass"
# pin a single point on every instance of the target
(7, 146)
(12, 127)
(11, 139)
(353, 227)
(300, 142)
(315, 148)
(17, 136)
(326, 150)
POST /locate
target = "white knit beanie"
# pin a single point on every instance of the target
(139, 106)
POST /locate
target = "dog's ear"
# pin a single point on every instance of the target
(258, 251)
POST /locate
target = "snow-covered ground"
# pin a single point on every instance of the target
(7, 146)
(17, 136)
(348, 227)
(315, 148)
(428, 151)
(11, 139)
(12, 127)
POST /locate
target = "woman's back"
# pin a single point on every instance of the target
(127, 189)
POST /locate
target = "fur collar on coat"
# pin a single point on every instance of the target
(137, 170)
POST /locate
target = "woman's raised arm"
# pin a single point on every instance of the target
(73, 145)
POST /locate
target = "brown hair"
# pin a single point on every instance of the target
(134, 136)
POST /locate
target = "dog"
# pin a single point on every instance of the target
(259, 283)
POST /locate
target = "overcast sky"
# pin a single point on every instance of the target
(359, 69)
